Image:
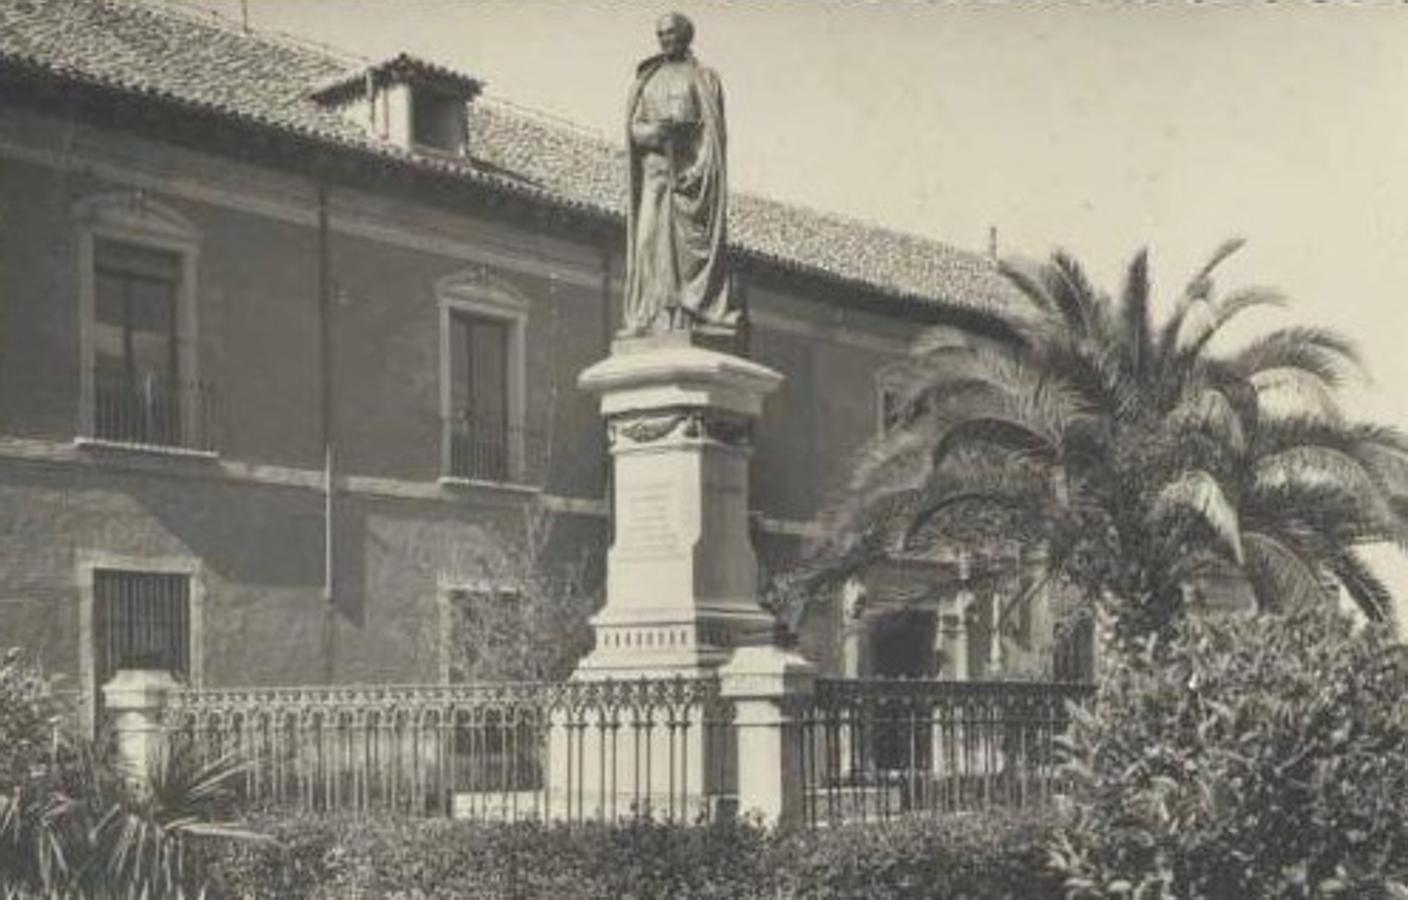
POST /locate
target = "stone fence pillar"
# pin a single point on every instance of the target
(134, 698)
(771, 689)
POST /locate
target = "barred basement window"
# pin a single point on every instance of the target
(481, 620)
(141, 620)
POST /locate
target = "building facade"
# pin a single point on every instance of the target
(290, 350)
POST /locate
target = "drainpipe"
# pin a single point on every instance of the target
(325, 417)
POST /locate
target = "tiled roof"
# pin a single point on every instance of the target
(212, 66)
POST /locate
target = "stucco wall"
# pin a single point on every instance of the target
(254, 517)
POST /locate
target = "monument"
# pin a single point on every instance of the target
(680, 403)
(681, 575)
(677, 213)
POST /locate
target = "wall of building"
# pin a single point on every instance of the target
(253, 518)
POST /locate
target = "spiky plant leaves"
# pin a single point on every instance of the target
(1156, 458)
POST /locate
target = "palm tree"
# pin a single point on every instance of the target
(1141, 458)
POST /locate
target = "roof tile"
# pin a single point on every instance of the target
(259, 78)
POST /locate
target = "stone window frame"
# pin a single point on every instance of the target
(445, 593)
(888, 380)
(91, 560)
(133, 217)
(475, 292)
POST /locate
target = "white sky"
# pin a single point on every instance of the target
(1095, 127)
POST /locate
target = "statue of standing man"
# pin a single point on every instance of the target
(676, 254)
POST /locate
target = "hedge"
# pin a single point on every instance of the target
(319, 858)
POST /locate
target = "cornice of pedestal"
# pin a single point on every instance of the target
(647, 375)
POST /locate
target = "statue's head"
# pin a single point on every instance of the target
(675, 33)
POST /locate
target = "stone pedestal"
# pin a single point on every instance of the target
(134, 698)
(681, 587)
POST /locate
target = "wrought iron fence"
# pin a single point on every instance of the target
(149, 409)
(577, 750)
(881, 748)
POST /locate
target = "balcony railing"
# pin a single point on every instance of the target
(478, 450)
(146, 409)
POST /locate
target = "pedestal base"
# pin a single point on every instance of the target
(681, 575)
(645, 644)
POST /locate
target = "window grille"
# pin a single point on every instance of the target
(141, 621)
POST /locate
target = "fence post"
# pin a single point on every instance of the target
(134, 698)
(771, 689)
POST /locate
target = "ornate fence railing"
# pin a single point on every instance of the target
(576, 750)
(880, 748)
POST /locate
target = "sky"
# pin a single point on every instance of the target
(1097, 127)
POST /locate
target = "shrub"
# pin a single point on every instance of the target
(72, 827)
(978, 858)
(993, 856)
(320, 857)
(1246, 758)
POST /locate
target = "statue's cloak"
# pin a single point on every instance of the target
(697, 217)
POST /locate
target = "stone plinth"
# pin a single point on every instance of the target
(681, 575)
(134, 699)
(770, 688)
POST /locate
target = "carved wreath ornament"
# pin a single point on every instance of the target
(650, 428)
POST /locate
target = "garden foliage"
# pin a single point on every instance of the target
(72, 827)
(319, 858)
(1245, 758)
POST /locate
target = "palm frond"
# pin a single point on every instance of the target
(1218, 257)
(1007, 433)
(1294, 393)
(930, 511)
(1325, 466)
(1072, 292)
(1278, 575)
(1319, 351)
(1134, 307)
(1196, 302)
(1210, 411)
(1026, 277)
(1361, 583)
(1249, 298)
(1198, 492)
(1207, 319)
(1197, 322)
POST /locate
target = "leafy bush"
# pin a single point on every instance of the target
(72, 827)
(1246, 758)
(321, 858)
(993, 856)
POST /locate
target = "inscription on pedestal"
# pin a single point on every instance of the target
(646, 520)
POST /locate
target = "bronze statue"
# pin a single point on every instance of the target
(676, 256)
